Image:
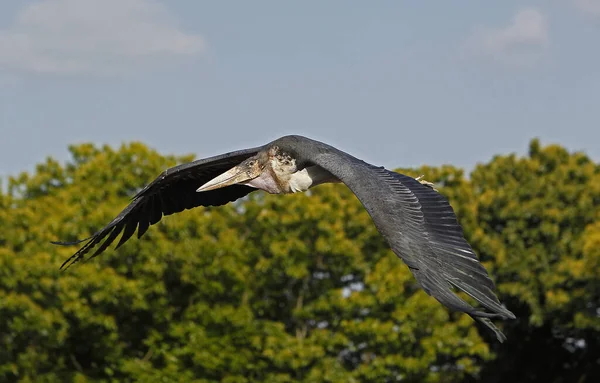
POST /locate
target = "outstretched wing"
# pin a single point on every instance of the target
(421, 227)
(171, 192)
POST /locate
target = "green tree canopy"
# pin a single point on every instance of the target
(294, 288)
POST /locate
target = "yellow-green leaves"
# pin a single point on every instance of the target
(292, 288)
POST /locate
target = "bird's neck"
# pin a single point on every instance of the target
(308, 177)
(274, 181)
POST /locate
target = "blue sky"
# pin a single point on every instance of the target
(394, 83)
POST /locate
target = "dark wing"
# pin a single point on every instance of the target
(422, 229)
(171, 192)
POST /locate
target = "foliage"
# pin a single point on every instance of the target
(294, 288)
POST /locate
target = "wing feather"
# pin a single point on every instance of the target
(422, 229)
(130, 227)
(171, 192)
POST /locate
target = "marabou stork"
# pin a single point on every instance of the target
(417, 222)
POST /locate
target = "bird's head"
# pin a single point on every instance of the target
(266, 170)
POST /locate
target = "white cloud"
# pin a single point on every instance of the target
(590, 7)
(92, 37)
(520, 44)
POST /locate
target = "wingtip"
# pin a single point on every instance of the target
(489, 324)
(505, 313)
(75, 257)
(66, 264)
(510, 315)
(70, 261)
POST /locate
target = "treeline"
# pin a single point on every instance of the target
(298, 288)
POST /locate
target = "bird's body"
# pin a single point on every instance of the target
(416, 221)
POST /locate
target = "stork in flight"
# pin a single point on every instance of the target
(416, 221)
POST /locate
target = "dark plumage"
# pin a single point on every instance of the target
(171, 192)
(417, 222)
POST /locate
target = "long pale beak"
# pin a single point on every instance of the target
(233, 176)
